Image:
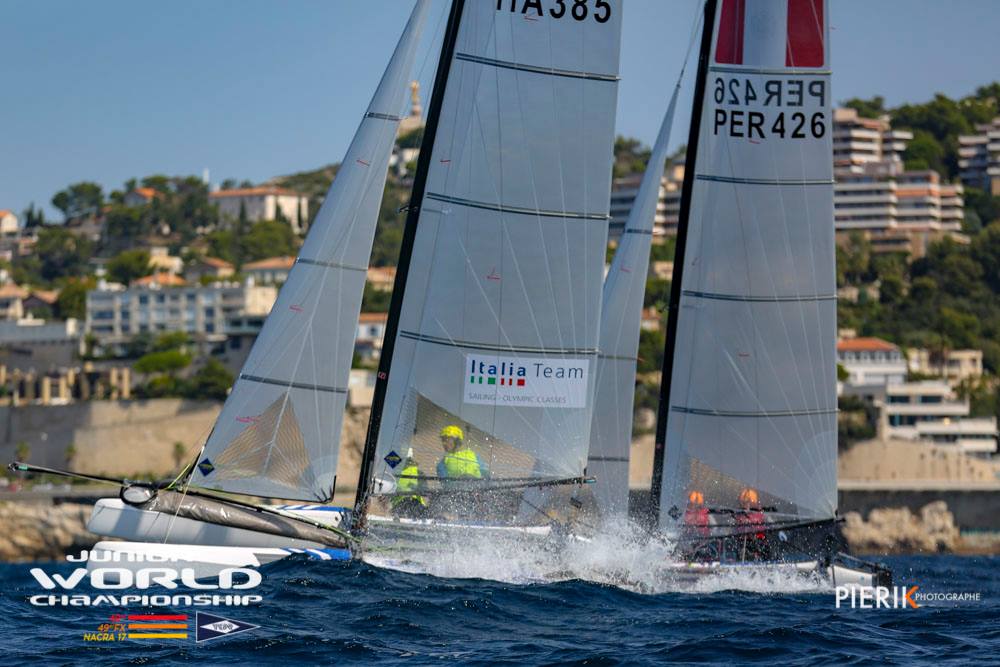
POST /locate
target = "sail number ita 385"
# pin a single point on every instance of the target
(581, 10)
(770, 108)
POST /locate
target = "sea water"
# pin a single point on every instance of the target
(507, 608)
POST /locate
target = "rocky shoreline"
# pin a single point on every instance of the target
(43, 531)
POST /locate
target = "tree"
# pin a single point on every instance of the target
(267, 238)
(872, 108)
(32, 217)
(165, 362)
(375, 300)
(651, 345)
(211, 382)
(179, 451)
(79, 199)
(924, 152)
(128, 265)
(72, 299)
(22, 452)
(62, 254)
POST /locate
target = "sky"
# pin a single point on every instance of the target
(250, 89)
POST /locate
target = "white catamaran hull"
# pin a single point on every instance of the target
(834, 575)
(113, 518)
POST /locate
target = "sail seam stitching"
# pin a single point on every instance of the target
(504, 208)
(535, 69)
(491, 346)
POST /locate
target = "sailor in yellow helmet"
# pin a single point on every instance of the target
(459, 461)
(407, 500)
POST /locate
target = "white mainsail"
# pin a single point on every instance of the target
(498, 331)
(752, 394)
(621, 317)
(279, 432)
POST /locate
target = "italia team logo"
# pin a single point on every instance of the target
(526, 382)
(490, 372)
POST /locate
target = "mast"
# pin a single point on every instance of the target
(673, 309)
(406, 252)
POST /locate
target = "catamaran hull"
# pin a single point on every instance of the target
(113, 518)
(832, 575)
(204, 561)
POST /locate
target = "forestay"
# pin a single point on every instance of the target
(499, 323)
(621, 316)
(279, 432)
(752, 399)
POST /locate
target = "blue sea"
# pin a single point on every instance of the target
(317, 612)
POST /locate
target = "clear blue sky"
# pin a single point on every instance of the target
(250, 89)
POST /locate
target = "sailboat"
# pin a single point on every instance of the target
(278, 434)
(493, 328)
(745, 458)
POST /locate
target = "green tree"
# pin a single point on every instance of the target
(924, 152)
(650, 355)
(211, 382)
(72, 299)
(375, 300)
(267, 238)
(872, 108)
(22, 452)
(165, 362)
(59, 254)
(128, 265)
(80, 199)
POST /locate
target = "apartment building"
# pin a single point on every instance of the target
(979, 157)
(928, 411)
(116, 314)
(953, 365)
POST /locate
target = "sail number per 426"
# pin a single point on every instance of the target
(782, 108)
(581, 10)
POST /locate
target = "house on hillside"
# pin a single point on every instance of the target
(8, 223)
(269, 271)
(12, 302)
(263, 203)
(211, 268)
(140, 196)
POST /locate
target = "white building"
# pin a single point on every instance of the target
(269, 271)
(954, 365)
(979, 157)
(263, 203)
(8, 223)
(115, 314)
(371, 330)
(929, 411)
(871, 362)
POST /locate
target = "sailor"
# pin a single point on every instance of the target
(459, 461)
(406, 502)
(696, 519)
(750, 522)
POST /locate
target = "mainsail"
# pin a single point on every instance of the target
(279, 432)
(621, 316)
(749, 396)
(498, 326)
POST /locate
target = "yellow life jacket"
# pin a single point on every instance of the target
(407, 481)
(462, 463)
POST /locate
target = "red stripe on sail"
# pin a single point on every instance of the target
(729, 47)
(805, 34)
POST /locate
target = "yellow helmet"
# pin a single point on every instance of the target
(695, 498)
(452, 431)
(748, 497)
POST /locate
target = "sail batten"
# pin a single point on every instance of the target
(278, 434)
